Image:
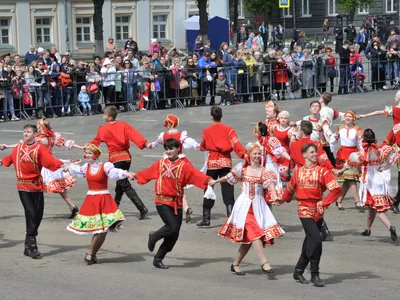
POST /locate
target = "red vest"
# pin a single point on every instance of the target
(175, 136)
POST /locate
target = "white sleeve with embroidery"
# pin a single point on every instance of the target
(114, 173)
(187, 142)
(77, 170)
(269, 177)
(60, 140)
(235, 174)
(159, 141)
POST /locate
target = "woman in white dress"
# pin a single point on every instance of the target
(251, 221)
(375, 190)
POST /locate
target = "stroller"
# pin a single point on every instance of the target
(357, 79)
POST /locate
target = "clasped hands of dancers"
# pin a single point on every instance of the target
(265, 167)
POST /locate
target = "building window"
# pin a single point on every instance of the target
(363, 10)
(43, 30)
(305, 8)
(286, 13)
(390, 6)
(160, 26)
(83, 28)
(4, 31)
(241, 9)
(122, 25)
(331, 7)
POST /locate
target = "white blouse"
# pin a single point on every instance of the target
(186, 141)
(109, 170)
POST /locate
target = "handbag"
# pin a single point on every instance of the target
(93, 87)
(183, 84)
(332, 73)
(194, 84)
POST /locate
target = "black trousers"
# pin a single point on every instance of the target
(312, 245)
(227, 190)
(33, 203)
(170, 231)
(329, 153)
(123, 185)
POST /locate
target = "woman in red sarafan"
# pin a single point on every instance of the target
(251, 221)
(99, 212)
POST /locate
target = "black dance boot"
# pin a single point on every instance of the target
(151, 243)
(31, 248)
(299, 270)
(206, 218)
(395, 208)
(229, 208)
(138, 203)
(158, 263)
(314, 268)
(118, 198)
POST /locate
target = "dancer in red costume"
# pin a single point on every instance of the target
(117, 135)
(99, 212)
(375, 189)
(28, 158)
(251, 221)
(350, 136)
(172, 174)
(309, 183)
(271, 114)
(62, 182)
(171, 122)
(219, 140)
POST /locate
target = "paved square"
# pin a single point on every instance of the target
(352, 266)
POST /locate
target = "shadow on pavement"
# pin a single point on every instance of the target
(340, 277)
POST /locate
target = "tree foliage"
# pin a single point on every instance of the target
(258, 6)
(203, 18)
(350, 6)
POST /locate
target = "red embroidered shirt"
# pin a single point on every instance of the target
(171, 178)
(297, 156)
(220, 140)
(117, 136)
(28, 162)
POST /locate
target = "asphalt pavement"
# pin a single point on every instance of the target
(352, 266)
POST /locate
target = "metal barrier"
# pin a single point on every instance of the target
(155, 89)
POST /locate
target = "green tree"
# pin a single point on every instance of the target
(350, 6)
(203, 18)
(259, 6)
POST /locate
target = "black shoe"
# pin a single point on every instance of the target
(151, 243)
(366, 232)
(138, 203)
(74, 212)
(318, 282)
(91, 261)
(189, 213)
(393, 234)
(266, 271)
(395, 209)
(143, 213)
(159, 264)
(206, 218)
(240, 273)
(298, 275)
(31, 248)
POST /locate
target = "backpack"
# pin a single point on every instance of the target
(65, 79)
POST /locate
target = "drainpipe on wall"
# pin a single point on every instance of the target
(294, 13)
(66, 25)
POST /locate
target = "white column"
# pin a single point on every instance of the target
(62, 45)
(219, 8)
(143, 25)
(179, 32)
(107, 21)
(24, 27)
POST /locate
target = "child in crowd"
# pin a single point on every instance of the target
(84, 100)
(222, 89)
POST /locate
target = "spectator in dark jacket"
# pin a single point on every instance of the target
(351, 33)
(31, 55)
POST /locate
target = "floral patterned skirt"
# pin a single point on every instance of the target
(98, 214)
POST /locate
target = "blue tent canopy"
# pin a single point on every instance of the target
(218, 31)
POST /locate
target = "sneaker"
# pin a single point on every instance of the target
(14, 118)
(90, 114)
(222, 104)
(1, 120)
(143, 108)
(228, 103)
(385, 87)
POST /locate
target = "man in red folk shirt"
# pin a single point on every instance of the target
(219, 140)
(28, 159)
(117, 135)
(309, 183)
(172, 174)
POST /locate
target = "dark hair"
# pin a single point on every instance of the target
(263, 129)
(171, 144)
(315, 101)
(33, 126)
(306, 127)
(326, 97)
(111, 111)
(369, 136)
(305, 148)
(97, 57)
(216, 113)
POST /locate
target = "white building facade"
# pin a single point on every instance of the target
(68, 24)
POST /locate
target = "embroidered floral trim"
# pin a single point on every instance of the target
(91, 224)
